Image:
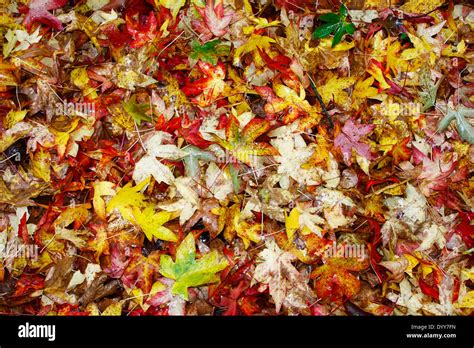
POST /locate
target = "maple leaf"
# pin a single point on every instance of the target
(215, 21)
(21, 36)
(435, 171)
(137, 111)
(333, 90)
(242, 145)
(39, 12)
(334, 279)
(189, 271)
(140, 271)
(189, 202)
(210, 87)
(400, 151)
(100, 243)
(253, 43)
(283, 279)
(142, 33)
(363, 90)
(349, 139)
(460, 115)
(149, 165)
(234, 224)
(152, 222)
(208, 52)
(126, 198)
(296, 105)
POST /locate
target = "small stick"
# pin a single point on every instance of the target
(320, 100)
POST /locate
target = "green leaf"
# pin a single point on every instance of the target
(188, 271)
(209, 52)
(338, 36)
(329, 18)
(349, 28)
(324, 30)
(137, 111)
(234, 174)
(191, 161)
(343, 11)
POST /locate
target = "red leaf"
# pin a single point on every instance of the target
(22, 230)
(142, 33)
(38, 12)
(428, 290)
(466, 229)
(28, 283)
(192, 135)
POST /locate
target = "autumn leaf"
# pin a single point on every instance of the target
(208, 52)
(215, 20)
(241, 143)
(335, 279)
(102, 188)
(152, 222)
(333, 90)
(172, 5)
(137, 111)
(127, 198)
(283, 279)
(39, 12)
(142, 33)
(189, 271)
(253, 43)
(209, 87)
(349, 139)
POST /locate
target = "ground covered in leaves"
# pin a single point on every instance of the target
(236, 157)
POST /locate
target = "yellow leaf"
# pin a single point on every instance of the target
(255, 41)
(412, 263)
(467, 300)
(173, 5)
(458, 52)
(156, 288)
(78, 213)
(395, 63)
(420, 48)
(334, 90)
(128, 197)
(427, 269)
(421, 6)
(340, 47)
(101, 188)
(80, 79)
(115, 309)
(92, 309)
(14, 116)
(363, 90)
(377, 73)
(243, 229)
(292, 223)
(151, 223)
(62, 138)
(40, 165)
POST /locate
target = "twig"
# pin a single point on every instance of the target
(320, 100)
